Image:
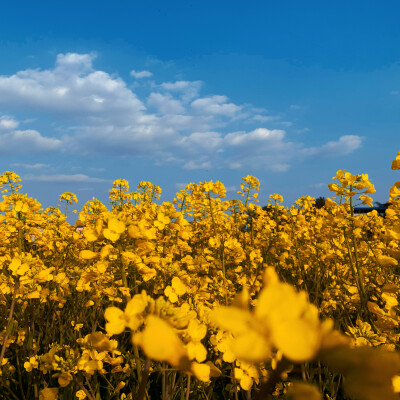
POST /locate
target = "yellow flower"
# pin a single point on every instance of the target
(245, 380)
(88, 365)
(116, 320)
(64, 379)
(386, 261)
(201, 371)
(160, 342)
(87, 254)
(293, 322)
(131, 317)
(303, 391)
(366, 200)
(196, 351)
(196, 330)
(32, 363)
(396, 383)
(18, 267)
(396, 162)
(80, 394)
(249, 343)
(176, 290)
(114, 229)
(48, 394)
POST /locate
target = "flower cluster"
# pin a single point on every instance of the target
(202, 297)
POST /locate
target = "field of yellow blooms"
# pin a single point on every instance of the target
(201, 298)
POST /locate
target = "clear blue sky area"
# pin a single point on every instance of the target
(183, 91)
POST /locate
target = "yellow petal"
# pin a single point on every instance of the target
(196, 330)
(196, 351)
(116, 320)
(87, 254)
(303, 391)
(178, 286)
(48, 394)
(386, 261)
(251, 346)
(160, 342)
(91, 235)
(111, 235)
(201, 371)
(233, 319)
(116, 225)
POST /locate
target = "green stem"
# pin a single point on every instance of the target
(143, 382)
(9, 322)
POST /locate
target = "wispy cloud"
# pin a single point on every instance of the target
(63, 178)
(141, 74)
(30, 166)
(172, 123)
(345, 145)
(318, 185)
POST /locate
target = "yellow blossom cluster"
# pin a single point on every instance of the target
(201, 297)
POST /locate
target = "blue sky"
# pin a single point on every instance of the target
(183, 91)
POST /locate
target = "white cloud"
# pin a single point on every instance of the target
(173, 123)
(7, 123)
(141, 74)
(261, 135)
(73, 89)
(263, 118)
(215, 105)
(30, 166)
(191, 165)
(165, 104)
(318, 185)
(203, 141)
(302, 130)
(78, 62)
(345, 145)
(27, 141)
(269, 149)
(187, 90)
(62, 178)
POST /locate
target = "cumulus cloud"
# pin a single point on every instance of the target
(215, 105)
(165, 104)
(96, 113)
(201, 141)
(27, 141)
(7, 123)
(187, 90)
(141, 74)
(72, 89)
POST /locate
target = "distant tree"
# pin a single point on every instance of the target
(377, 203)
(320, 202)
